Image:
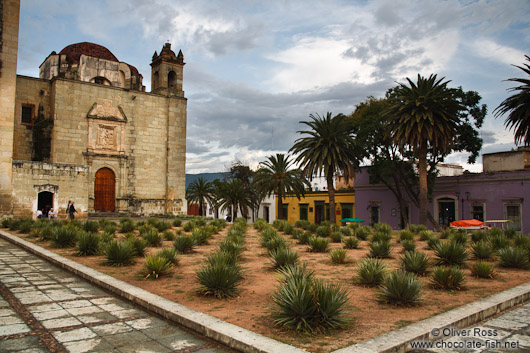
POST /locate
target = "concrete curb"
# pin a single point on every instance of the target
(466, 315)
(228, 334)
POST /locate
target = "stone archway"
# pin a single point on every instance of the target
(105, 190)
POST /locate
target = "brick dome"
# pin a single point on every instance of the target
(73, 52)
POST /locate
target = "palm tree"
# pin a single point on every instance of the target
(424, 116)
(274, 175)
(200, 191)
(234, 194)
(328, 148)
(518, 107)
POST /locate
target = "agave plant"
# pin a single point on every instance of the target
(351, 242)
(282, 257)
(338, 256)
(65, 236)
(447, 278)
(91, 226)
(371, 272)
(513, 257)
(88, 244)
(406, 235)
(415, 262)
(380, 249)
(483, 269)
(184, 244)
(155, 267)
(450, 254)
(482, 250)
(219, 279)
(119, 253)
(336, 237)
(318, 244)
(408, 245)
(401, 288)
(170, 254)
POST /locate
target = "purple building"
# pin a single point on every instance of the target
(501, 192)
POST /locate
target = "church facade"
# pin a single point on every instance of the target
(87, 131)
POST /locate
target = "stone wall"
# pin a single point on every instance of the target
(66, 182)
(9, 17)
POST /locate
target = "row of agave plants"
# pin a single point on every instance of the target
(452, 250)
(100, 238)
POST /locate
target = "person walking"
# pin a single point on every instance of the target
(68, 210)
(71, 211)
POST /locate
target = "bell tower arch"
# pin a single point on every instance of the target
(166, 72)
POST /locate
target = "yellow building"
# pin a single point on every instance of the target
(314, 207)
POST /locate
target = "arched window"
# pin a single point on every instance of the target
(101, 81)
(155, 80)
(172, 80)
(122, 78)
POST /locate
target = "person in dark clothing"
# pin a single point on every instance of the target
(71, 211)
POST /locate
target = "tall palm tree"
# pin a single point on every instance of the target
(234, 194)
(200, 191)
(328, 148)
(423, 115)
(275, 175)
(518, 107)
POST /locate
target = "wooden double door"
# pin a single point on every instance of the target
(105, 190)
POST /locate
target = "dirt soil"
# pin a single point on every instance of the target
(251, 309)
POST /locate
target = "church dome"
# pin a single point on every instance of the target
(73, 52)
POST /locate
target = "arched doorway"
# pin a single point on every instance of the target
(104, 190)
(45, 201)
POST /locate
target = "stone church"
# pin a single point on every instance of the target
(87, 131)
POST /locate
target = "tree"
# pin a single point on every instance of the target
(424, 115)
(326, 149)
(234, 195)
(518, 107)
(200, 191)
(275, 176)
(238, 170)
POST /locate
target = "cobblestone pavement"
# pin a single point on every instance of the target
(509, 332)
(46, 309)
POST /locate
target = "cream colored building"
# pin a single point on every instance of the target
(87, 131)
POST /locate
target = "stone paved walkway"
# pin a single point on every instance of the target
(46, 309)
(509, 332)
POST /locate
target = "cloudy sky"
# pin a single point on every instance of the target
(254, 69)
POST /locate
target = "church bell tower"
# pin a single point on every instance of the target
(166, 72)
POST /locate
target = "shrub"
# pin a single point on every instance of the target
(305, 304)
(446, 234)
(109, 228)
(336, 237)
(406, 235)
(279, 224)
(415, 262)
(168, 235)
(482, 250)
(417, 228)
(46, 232)
(510, 232)
(219, 223)
(426, 234)
(338, 256)
(521, 240)
(318, 244)
(139, 245)
(26, 225)
(297, 233)
(380, 249)
(304, 237)
(88, 244)
(201, 236)
(408, 245)
(301, 223)
(363, 232)
(222, 257)
(119, 253)
(183, 244)
(260, 224)
(346, 231)
(170, 254)
(63, 237)
(482, 269)
(401, 288)
(288, 229)
(91, 226)
(478, 235)
(350, 242)
(450, 254)
(282, 257)
(499, 241)
(447, 278)
(323, 231)
(381, 237)
(274, 243)
(371, 272)
(383, 228)
(151, 236)
(190, 225)
(219, 279)
(459, 237)
(156, 266)
(232, 247)
(433, 242)
(177, 222)
(126, 225)
(513, 257)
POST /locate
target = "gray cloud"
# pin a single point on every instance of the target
(488, 137)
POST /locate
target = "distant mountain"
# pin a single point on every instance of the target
(190, 178)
